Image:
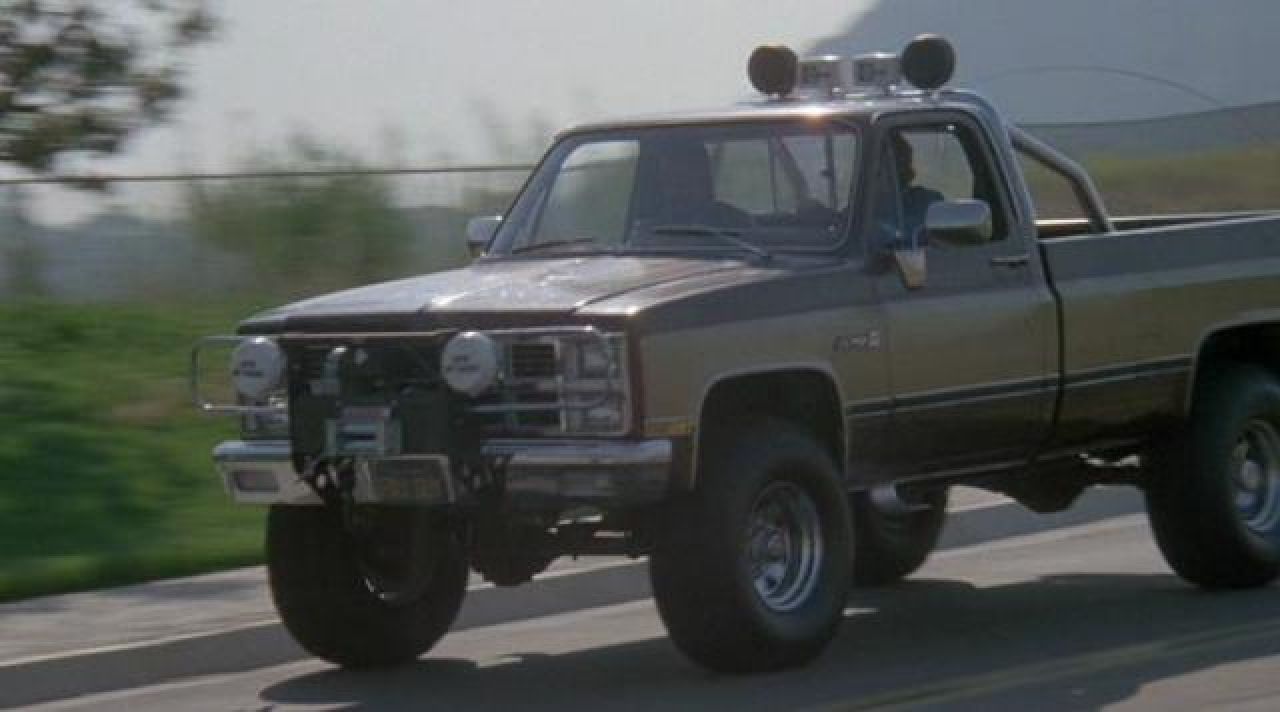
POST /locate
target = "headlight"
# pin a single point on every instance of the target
(257, 368)
(596, 374)
(595, 359)
(551, 381)
(469, 363)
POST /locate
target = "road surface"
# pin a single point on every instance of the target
(1082, 618)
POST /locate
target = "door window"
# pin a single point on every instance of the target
(940, 162)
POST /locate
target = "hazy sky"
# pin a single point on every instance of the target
(353, 71)
(419, 82)
(432, 73)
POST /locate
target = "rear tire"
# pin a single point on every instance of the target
(1213, 494)
(890, 547)
(751, 571)
(322, 587)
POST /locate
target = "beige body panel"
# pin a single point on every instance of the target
(682, 366)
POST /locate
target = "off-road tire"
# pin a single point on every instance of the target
(702, 575)
(889, 547)
(321, 592)
(1192, 485)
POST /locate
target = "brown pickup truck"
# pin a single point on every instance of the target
(757, 346)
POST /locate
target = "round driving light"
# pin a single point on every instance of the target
(469, 363)
(772, 70)
(928, 62)
(257, 367)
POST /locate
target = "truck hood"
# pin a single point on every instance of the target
(547, 287)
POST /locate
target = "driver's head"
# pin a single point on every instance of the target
(905, 158)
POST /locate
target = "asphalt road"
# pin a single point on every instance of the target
(1082, 618)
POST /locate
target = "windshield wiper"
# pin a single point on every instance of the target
(728, 235)
(551, 243)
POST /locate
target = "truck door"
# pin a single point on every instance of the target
(971, 351)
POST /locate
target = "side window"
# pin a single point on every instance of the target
(943, 162)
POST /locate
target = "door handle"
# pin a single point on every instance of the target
(1011, 260)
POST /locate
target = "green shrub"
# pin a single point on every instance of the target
(104, 464)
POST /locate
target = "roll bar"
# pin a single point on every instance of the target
(1052, 159)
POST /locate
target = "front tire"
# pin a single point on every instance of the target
(751, 571)
(1213, 495)
(339, 609)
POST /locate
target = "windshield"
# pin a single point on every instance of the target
(757, 187)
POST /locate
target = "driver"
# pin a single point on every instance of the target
(915, 199)
(684, 178)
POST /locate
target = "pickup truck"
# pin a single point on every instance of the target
(757, 346)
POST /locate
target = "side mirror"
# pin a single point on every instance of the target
(959, 222)
(480, 232)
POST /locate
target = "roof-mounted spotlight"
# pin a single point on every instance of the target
(772, 69)
(928, 62)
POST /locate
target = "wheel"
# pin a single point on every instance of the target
(1213, 495)
(751, 570)
(366, 603)
(889, 547)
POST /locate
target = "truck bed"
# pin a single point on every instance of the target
(1136, 305)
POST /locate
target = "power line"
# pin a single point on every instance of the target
(102, 179)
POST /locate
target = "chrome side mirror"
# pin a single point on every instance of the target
(480, 232)
(959, 222)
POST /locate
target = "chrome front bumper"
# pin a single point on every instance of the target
(539, 473)
(261, 472)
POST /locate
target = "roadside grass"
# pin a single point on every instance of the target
(1212, 181)
(105, 476)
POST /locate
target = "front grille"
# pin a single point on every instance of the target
(376, 394)
(533, 360)
(370, 366)
(311, 361)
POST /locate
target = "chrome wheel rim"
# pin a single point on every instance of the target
(784, 546)
(1255, 477)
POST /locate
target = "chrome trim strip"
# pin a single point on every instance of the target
(975, 392)
(580, 453)
(1130, 370)
(253, 451)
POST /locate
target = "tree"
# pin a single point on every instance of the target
(313, 222)
(80, 76)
